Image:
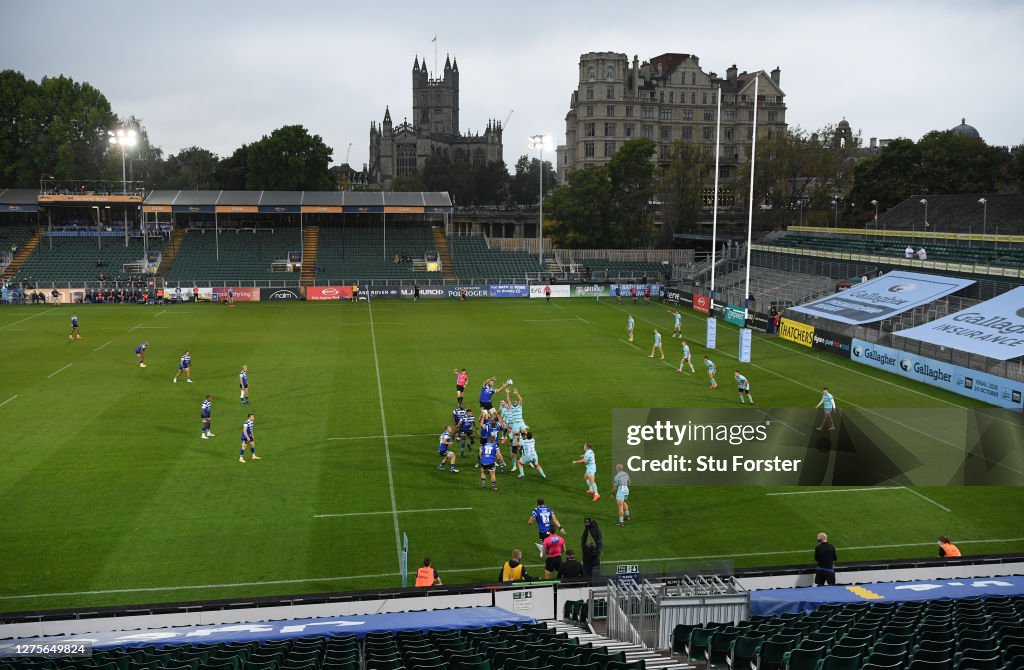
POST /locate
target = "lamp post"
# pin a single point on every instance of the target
(984, 216)
(925, 203)
(540, 142)
(835, 202)
(126, 137)
(801, 203)
(875, 203)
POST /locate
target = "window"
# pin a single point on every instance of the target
(406, 159)
(665, 152)
(771, 99)
(588, 129)
(609, 110)
(771, 116)
(590, 110)
(665, 113)
(693, 97)
(588, 149)
(704, 98)
(730, 99)
(609, 149)
(687, 115)
(609, 72)
(647, 131)
(727, 134)
(693, 79)
(609, 93)
(609, 130)
(629, 130)
(709, 133)
(713, 98)
(479, 159)
(591, 75)
(709, 115)
(750, 115)
(590, 92)
(665, 132)
(648, 112)
(723, 171)
(629, 110)
(661, 96)
(687, 132)
(671, 96)
(730, 115)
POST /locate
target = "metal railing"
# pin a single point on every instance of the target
(633, 612)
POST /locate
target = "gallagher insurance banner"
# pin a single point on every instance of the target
(994, 328)
(891, 294)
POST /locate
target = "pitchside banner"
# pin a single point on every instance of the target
(891, 294)
(994, 328)
(328, 293)
(823, 340)
(783, 447)
(471, 291)
(746, 341)
(711, 334)
(590, 291)
(982, 386)
(239, 294)
(557, 291)
(702, 303)
(734, 315)
(280, 294)
(509, 290)
(794, 331)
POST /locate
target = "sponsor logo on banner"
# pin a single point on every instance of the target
(509, 290)
(239, 294)
(746, 341)
(834, 344)
(702, 303)
(383, 292)
(711, 334)
(280, 294)
(891, 294)
(557, 290)
(590, 290)
(734, 315)
(759, 321)
(994, 328)
(471, 292)
(328, 293)
(971, 383)
(424, 292)
(794, 331)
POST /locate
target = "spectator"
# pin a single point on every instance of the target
(946, 548)
(922, 254)
(825, 562)
(427, 575)
(909, 251)
(772, 313)
(55, 294)
(513, 570)
(396, 260)
(571, 570)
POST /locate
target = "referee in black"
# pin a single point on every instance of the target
(825, 562)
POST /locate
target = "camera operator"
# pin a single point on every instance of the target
(592, 544)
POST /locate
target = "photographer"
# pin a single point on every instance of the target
(592, 544)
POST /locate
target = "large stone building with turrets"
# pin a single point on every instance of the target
(398, 150)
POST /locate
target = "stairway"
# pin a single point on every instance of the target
(22, 254)
(310, 240)
(444, 254)
(551, 267)
(634, 652)
(171, 252)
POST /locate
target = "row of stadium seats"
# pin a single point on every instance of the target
(600, 268)
(937, 251)
(475, 261)
(969, 634)
(348, 253)
(242, 255)
(73, 259)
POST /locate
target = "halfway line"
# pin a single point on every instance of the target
(378, 437)
(401, 511)
(26, 319)
(61, 370)
(871, 488)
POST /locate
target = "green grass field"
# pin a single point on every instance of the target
(109, 496)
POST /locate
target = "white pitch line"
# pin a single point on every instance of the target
(543, 320)
(630, 344)
(159, 313)
(135, 328)
(366, 323)
(384, 429)
(61, 370)
(8, 400)
(379, 437)
(14, 323)
(870, 488)
(19, 330)
(103, 345)
(401, 511)
(487, 568)
(582, 319)
(920, 495)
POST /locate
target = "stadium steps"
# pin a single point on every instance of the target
(22, 254)
(444, 254)
(170, 252)
(634, 652)
(551, 266)
(310, 242)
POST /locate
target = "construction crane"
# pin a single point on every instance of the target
(505, 125)
(348, 152)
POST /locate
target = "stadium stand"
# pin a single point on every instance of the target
(606, 269)
(770, 286)
(351, 252)
(474, 260)
(74, 259)
(956, 213)
(244, 255)
(937, 250)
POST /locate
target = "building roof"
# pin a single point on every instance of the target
(964, 130)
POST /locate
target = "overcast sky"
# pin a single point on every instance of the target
(217, 74)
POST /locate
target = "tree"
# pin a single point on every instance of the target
(289, 159)
(192, 168)
(490, 183)
(631, 172)
(233, 171)
(579, 212)
(410, 182)
(467, 184)
(524, 186)
(680, 188)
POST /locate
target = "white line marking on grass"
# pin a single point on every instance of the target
(870, 488)
(159, 313)
(384, 429)
(20, 330)
(150, 327)
(543, 320)
(630, 344)
(487, 568)
(61, 370)
(103, 345)
(401, 511)
(8, 400)
(920, 495)
(379, 437)
(14, 323)
(367, 323)
(582, 319)
(135, 328)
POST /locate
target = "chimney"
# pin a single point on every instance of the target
(730, 74)
(874, 142)
(636, 76)
(776, 73)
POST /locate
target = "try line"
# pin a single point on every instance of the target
(379, 437)
(401, 511)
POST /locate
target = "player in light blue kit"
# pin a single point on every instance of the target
(243, 385)
(74, 327)
(657, 345)
(184, 366)
(620, 487)
(590, 461)
(630, 324)
(677, 329)
(204, 416)
(743, 387)
(828, 404)
(444, 450)
(528, 453)
(140, 353)
(710, 365)
(248, 439)
(686, 360)
(513, 417)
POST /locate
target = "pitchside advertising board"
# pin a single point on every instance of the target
(994, 328)
(971, 383)
(239, 294)
(884, 297)
(509, 290)
(702, 303)
(273, 294)
(557, 291)
(328, 293)
(822, 340)
(794, 331)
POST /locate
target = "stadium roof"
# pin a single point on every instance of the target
(19, 199)
(296, 198)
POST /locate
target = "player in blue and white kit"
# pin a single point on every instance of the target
(487, 392)
(444, 449)
(743, 387)
(489, 453)
(657, 345)
(140, 353)
(184, 366)
(528, 453)
(590, 461)
(497, 428)
(204, 415)
(828, 404)
(686, 360)
(243, 385)
(546, 522)
(74, 327)
(248, 439)
(710, 365)
(464, 431)
(630, 324)
(677, 329)
(620, 487)
(458, 414)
